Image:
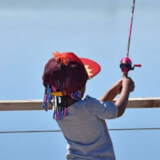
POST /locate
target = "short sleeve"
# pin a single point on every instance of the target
(103, 110)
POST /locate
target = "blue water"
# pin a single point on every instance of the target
(30, 31)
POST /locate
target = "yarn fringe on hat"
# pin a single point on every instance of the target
(59, 108)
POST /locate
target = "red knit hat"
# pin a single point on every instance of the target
(68, 73)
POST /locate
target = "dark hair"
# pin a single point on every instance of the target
(66, 78)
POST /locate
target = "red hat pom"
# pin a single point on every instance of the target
(61, 58)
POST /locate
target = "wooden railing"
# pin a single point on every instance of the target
(22, 105)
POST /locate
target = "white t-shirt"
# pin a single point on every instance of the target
(86, 132)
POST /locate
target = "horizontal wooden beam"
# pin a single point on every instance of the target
(144, 103)
(20, 105)
(24, 105)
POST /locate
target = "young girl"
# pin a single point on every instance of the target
(82, 121)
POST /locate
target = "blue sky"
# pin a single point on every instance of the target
(97, 29)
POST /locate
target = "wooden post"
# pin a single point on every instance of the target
(24, 105)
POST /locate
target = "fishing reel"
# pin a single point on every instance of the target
(126, 65)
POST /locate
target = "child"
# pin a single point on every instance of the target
(82, 121)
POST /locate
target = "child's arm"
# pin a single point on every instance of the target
(112, 92)
(124, 87)
(121, 102)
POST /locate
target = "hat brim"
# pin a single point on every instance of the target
(92, 67)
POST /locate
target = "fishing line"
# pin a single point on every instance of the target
(57, 131)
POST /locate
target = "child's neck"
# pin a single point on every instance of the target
(70, 101)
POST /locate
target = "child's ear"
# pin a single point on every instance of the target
(83, 90)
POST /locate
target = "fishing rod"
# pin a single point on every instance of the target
(126, 63)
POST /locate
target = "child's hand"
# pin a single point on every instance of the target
(128, 82)
(127, 87)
